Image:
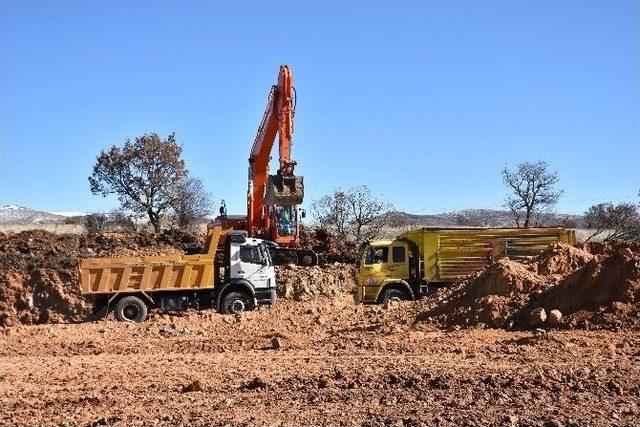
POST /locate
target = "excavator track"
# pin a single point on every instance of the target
(297, 256)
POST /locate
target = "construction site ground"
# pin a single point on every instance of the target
(551, 341)
(326, 362)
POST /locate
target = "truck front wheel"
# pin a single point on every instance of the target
(236, 302)
(131, 309)
(393, 294)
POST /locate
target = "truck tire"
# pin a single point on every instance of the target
(392, 294)
(236, 302)
(131, 309)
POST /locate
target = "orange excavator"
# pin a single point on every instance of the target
(273, 211)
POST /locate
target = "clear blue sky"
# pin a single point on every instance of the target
(423, 101)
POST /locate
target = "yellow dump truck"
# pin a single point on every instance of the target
(234, 274)
(414, 263)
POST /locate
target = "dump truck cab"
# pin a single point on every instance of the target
(387, 270)
(250, 270)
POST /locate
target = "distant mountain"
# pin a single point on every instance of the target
(475, 218)
(19, 215)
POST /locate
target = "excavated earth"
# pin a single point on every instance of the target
(468, 355)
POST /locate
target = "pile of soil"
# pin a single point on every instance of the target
(39, 278)
(307, 283)
(564, 287)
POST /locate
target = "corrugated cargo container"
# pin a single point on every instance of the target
(408, 266)
(448, 253)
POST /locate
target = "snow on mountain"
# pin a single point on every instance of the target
(13, 214)
(69, 213)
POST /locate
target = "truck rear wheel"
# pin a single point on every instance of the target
(393, 294)
(236, 302)
(131, 309)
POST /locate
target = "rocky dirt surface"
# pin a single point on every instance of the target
(593, 287)
(321, 362)
(308, 283)
(567, 351)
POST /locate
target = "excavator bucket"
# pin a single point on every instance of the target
(284, 190)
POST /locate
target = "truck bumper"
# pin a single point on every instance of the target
(266, 296)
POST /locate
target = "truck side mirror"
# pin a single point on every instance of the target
(303, 213)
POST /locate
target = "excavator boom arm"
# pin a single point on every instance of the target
(284, 188)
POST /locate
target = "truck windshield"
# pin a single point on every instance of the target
(252, 254)
(377, 256)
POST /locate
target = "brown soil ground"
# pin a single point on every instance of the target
(322, 362)
(317, 358)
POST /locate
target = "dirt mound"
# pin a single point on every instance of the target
(505, 277)
(38, 276)
(304, 283)
(605, 291)
(40, 296)
(561, 259)
(41, 249)
(583, 289)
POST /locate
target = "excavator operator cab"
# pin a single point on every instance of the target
(285, 219)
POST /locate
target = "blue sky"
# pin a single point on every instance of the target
(423, 101)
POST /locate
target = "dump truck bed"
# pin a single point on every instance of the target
(151, 273)
(109, 275)
(449, 253)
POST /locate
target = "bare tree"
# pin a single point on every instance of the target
(193, 204)
(355, 213)
(124, 221)
(620, 221)
(532, 191)
(332, 211)
(366, 213)
(95, 223)
(146, 175)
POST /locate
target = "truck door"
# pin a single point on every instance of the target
(251, 264)
(399, 266)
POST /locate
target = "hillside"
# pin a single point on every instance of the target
(474, 217)
(22, 216)
(19, 215)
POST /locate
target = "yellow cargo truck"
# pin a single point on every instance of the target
(417, 261)
(234, 274)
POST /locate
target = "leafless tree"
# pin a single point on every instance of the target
(95, 223)
(355, 213)
(193, 204)
(332, 211)
(146, 175)
(532, 189)
(124, 221)
(366, 212)
(617, 222)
